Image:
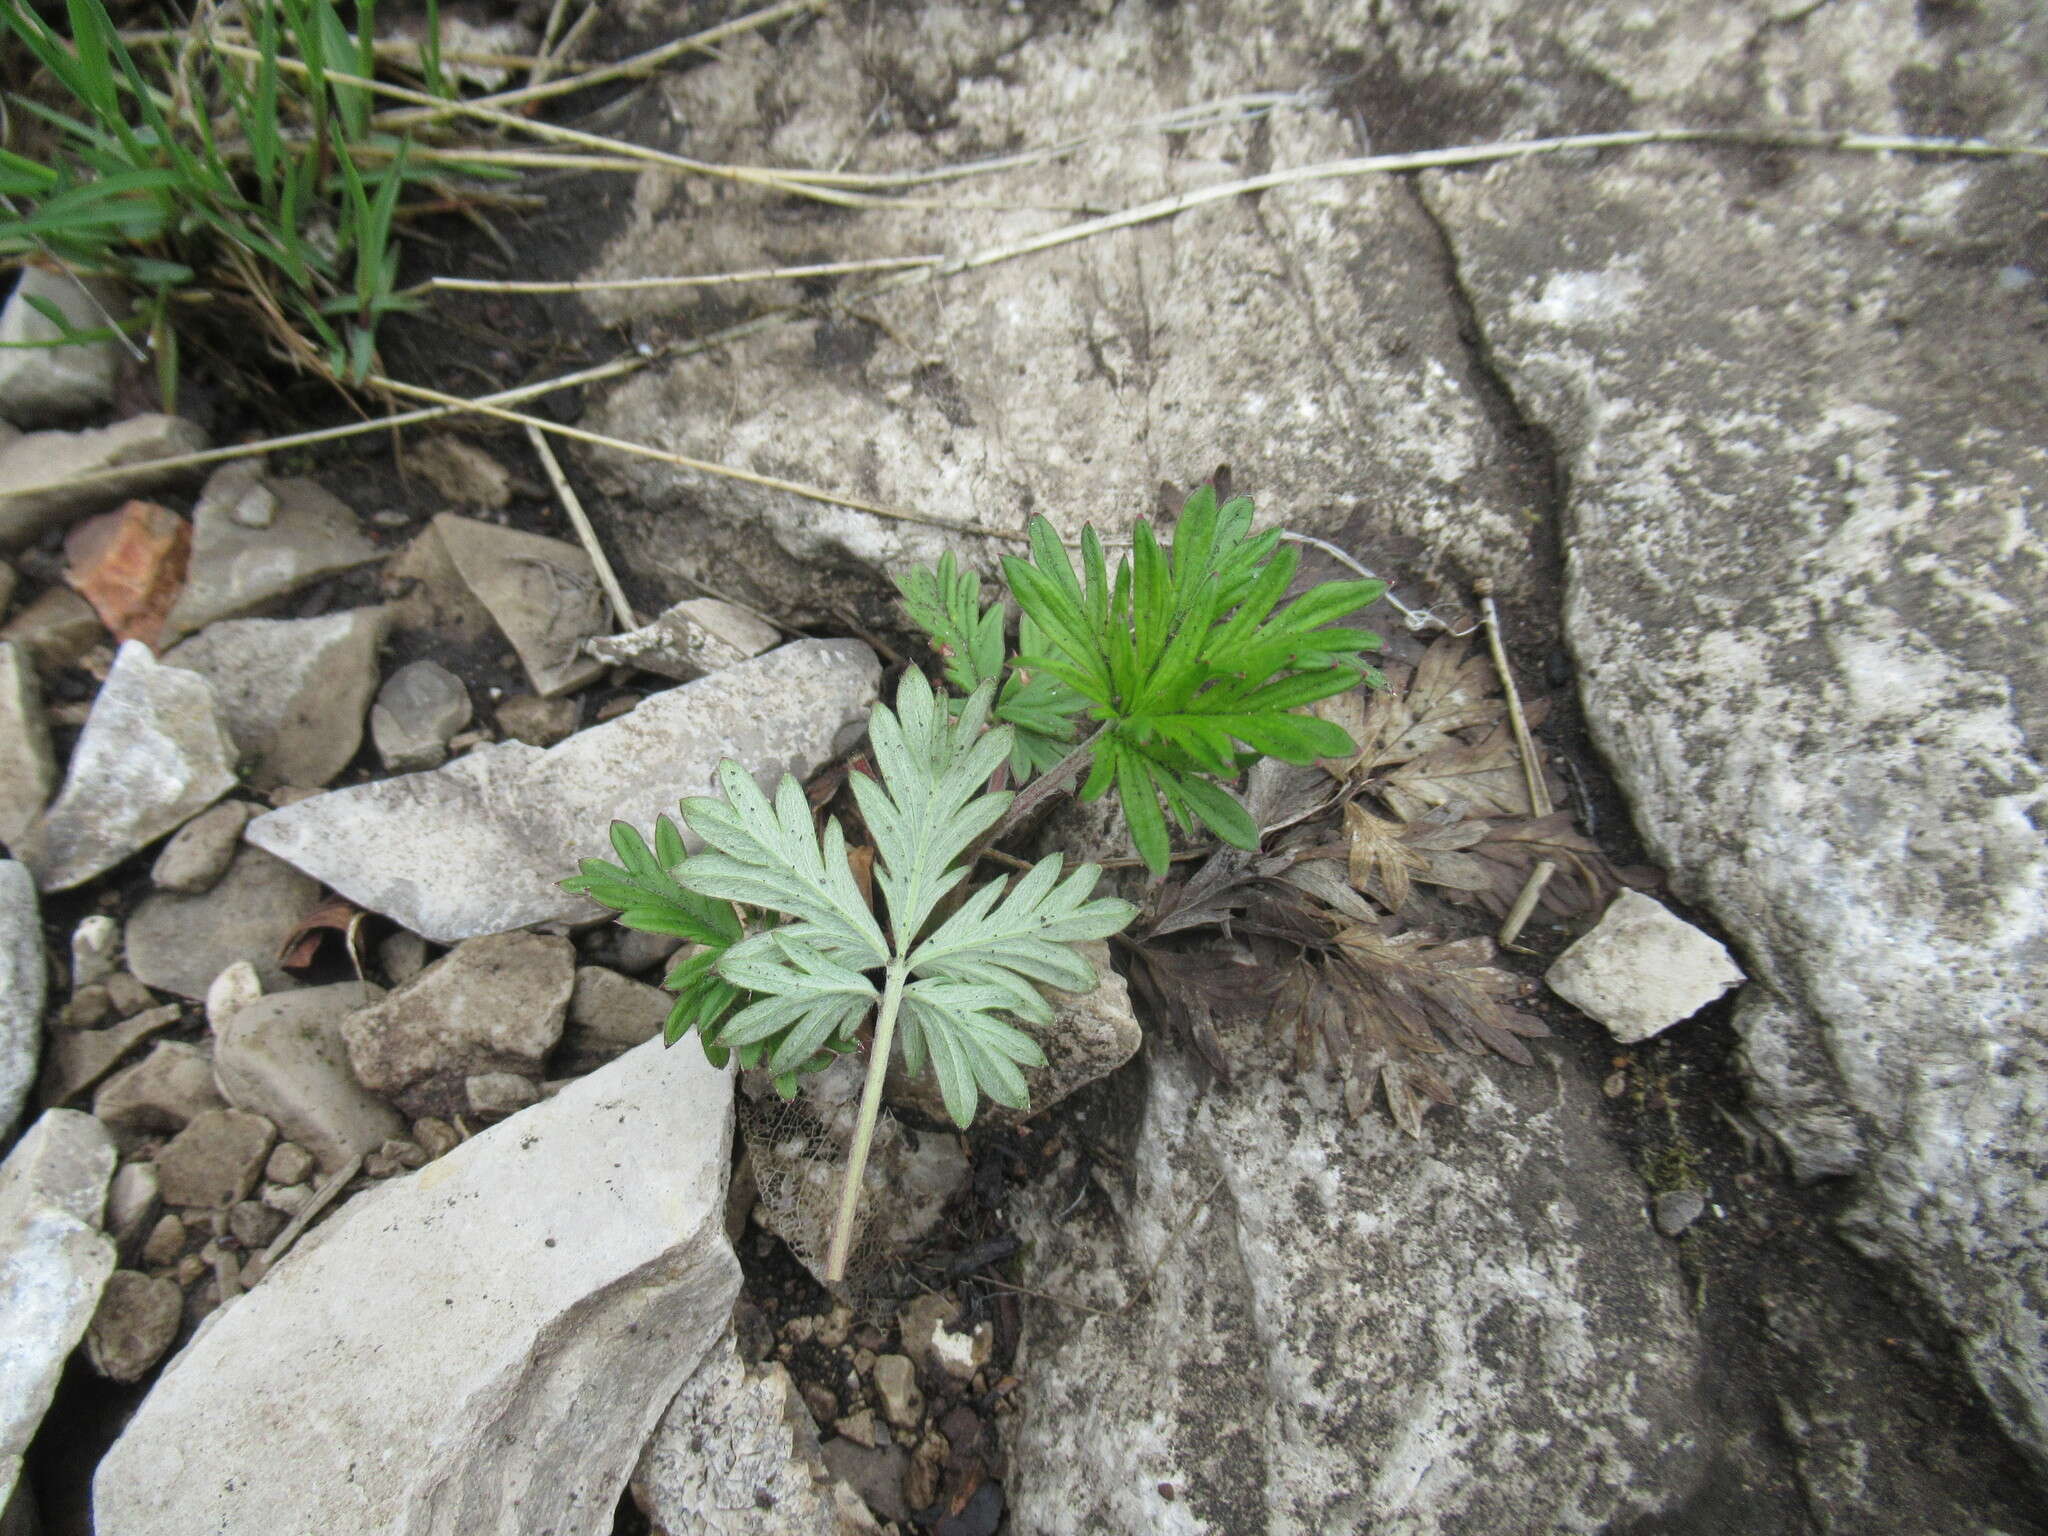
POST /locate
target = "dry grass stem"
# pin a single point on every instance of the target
(485, 407)
(701, 280)
(573, 505)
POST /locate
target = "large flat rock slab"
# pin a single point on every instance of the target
(484, 1345)
(1303, 337)
(1296, 1322)
(481, 845)
(1800, 405)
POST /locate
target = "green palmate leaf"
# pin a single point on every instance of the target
(945, 602)
(1187, 656)
(641, 888)
(809, 980)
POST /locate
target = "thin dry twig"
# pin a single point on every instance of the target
(1532, 767)
(573, 505)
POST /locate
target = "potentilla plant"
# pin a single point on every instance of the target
(1190, 670)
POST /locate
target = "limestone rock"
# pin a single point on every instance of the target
(1091, 1035)
(55, 630)
(896, 1386)
(43, 385)
(1284, 334)
(28, 767)
(289, 1163)
(489, 1005)
(24, 986)
(236, 569)
(153, 754)
(536, 721)
(284, 1058)
(696, 636)
(737, 1454)
(181, 943)
(134, 1200)
(164, 1091)
(95, 949)
(478, 846)
(542, 593)
(54, 1260)
(200, 852)
(418, 709)
(1336, 1296)
(216, 1159)
(292, 691)
(494, 1095)
(137, 1321)
(78, 1058)
(609, 1014)
(1642, 969)
(130, 565)
(553, 1282)
(1806, 636)
(43, 458)
(461, 471)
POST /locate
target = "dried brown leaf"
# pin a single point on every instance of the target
(1485, 776)
(1191, 990)
(336, 915)
(1450, 690)
(1585, 881)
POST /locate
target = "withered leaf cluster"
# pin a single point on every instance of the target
(1316, 925)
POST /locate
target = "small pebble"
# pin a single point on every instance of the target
(234, 989)
(624, 704)
(128, 995)
(289, 1163)
(436, 1138)
(288, 1198)
(88, 1006)
(166, 1240)
(254, 1224)
(1677, 1209)
(823, 1404)
(95, 950)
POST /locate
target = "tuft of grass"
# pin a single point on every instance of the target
(244, 186)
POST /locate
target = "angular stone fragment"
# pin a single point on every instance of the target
(490, 1005)
(542, 593)
(515, 1317)
(237, 569)
(95, 949)
(153, 754)
(200, 852)
(55, 630)
(137, 1321)
(43, 458)
(181, 943)
(78, 1058)
(28, 767)
(130, 565)
(478, 846)
(737, 1453)
(24, 986)
(134, 1200)
(494, 1095)
(284, 1058)
(609, 1015)
(45, 380)
(419, 708)
(215, 1160)
(461, 471)
(164, 1091)
(536, 721)
(292, 692)
(696, 636)
(1641, 969)
(54, 1261)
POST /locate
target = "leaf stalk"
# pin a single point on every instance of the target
(893, 980)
